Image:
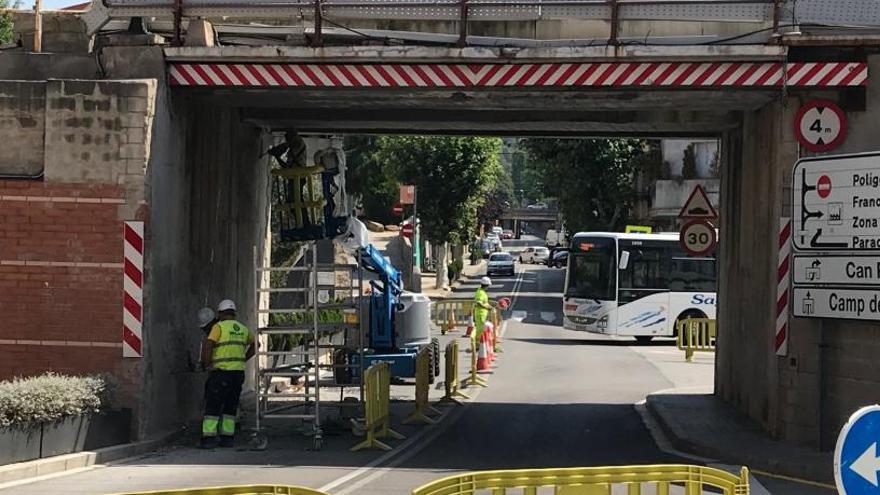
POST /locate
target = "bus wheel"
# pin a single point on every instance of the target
(644, 339)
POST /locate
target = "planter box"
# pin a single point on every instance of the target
(65, 436)
(109, 428)
(19, 444)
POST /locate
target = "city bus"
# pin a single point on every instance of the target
(636, 285)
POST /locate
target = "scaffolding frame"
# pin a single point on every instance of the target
(273, 363)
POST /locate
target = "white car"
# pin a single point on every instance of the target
(501, 264)
(534, 255)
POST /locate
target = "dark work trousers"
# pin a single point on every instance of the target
(221, 399)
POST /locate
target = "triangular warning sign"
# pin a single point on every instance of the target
(698, 205)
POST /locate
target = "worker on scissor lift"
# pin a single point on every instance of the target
(481, 308)
(225, 351)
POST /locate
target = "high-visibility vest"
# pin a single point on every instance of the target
(229, 351)
(481, 296)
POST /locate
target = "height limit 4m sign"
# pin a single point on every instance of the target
(820, 126)
(836, 203)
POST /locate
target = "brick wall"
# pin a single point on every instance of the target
(61, 244)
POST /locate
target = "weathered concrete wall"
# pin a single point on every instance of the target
(61, 247)
(831, 368)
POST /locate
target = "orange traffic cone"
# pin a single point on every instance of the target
(488, 332)
(483, 355)
(470, 326)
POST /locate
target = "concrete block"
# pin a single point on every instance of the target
(135, 167)
(134, 135)
(132, 151)
(135, 104)
(200, 33)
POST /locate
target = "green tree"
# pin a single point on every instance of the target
(689, 163)
(453, 176)
(499, 197)
(591, 178)
(368, 179)
(6, 21)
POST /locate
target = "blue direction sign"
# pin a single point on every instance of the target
(856, 458)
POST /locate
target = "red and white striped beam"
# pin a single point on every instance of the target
(783, 269)
(133, 290)
(575, 75)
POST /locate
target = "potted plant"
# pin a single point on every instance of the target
(48, 415)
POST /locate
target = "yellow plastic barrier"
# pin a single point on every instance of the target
(593, 481)
(423, 404)
(696, 335)
(237, 490)
(377, 391)
(451, 373)
(449, 314)
(475, 380)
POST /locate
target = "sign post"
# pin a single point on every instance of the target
(856, 462)
(697, 235)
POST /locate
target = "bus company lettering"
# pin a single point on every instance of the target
(703, 299)
(854, 304)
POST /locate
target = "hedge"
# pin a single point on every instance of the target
(50, 397)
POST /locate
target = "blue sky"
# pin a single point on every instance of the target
(50, 4)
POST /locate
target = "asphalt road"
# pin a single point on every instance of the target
(556, 398)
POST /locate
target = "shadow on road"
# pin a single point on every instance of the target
(596, 342)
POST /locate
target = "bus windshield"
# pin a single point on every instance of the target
(591, 270)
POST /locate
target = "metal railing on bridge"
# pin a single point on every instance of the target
(777, 13)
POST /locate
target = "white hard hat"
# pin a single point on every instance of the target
(486, 281)
(226, 305)
(206, 315)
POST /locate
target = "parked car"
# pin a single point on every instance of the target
(537, 206)
(501, 264)
(493, 243)
(559, 259)
(534, 255)
(507, 234)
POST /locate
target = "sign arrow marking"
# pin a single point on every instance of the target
(867, 465)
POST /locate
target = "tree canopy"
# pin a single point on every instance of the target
(593, 179)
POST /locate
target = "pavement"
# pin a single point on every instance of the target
(555, 398)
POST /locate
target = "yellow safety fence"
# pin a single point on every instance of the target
(696, 335)
(314, 201)
(423, 409)
(377, 391)
(473, 379)
(457, 313)
(695, 480)
(451, 369)
(237, 490)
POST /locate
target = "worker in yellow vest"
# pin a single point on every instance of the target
(481, 308)
(227, 348)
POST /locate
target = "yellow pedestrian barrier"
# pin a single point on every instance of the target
(696, 335)
(451, 371)
(696, 480)
(236, 490)
(377, 391)
(496, 322)
(475, 380)
(423, 404)
(450, 314)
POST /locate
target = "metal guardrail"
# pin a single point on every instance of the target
(236, 490)
(377, 392)
(593, 481)
(782, 12)
(696, 335)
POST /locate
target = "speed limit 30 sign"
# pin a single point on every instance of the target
(698, 237)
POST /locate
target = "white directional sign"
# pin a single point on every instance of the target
(854, 304)
(820, 125)
(836, 203)
(836, 270)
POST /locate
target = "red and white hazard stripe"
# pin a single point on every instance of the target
(133, 293)
(782, 286)
(588, 74)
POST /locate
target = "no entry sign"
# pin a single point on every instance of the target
(820, 126)
(407, 230)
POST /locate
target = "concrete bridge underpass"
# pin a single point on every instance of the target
(206, 115)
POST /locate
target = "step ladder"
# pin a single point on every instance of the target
(328, 310)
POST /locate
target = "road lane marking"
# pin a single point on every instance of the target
(415, 443)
